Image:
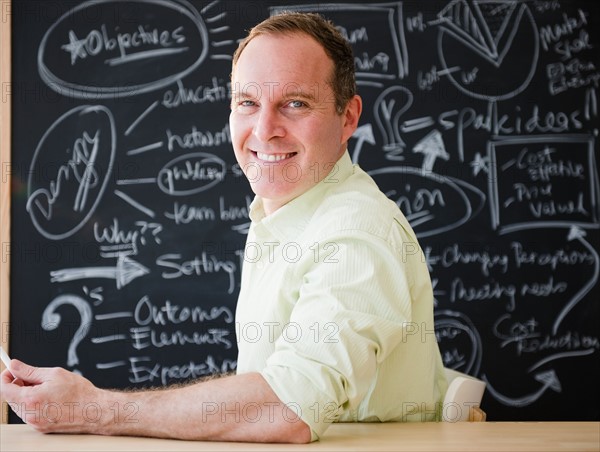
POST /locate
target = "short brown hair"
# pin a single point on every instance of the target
(343, 80)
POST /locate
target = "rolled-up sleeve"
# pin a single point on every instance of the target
(353, 304)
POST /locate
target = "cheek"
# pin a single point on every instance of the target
(237, 130)
(325, 137)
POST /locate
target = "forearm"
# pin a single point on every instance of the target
(235, 408)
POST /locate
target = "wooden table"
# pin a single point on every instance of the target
(437, 437)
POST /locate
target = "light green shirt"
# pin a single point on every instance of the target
(336, 306)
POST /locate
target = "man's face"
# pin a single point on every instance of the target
(286, 132)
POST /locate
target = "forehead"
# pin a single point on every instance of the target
(284, 58)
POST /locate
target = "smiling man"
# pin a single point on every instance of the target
(287, 130)
(335, 311)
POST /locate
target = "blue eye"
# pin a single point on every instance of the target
(296, 104)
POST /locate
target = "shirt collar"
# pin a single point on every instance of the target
(291, 219)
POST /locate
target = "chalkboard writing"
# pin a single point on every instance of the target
(129, 212)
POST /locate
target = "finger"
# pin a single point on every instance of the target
(7, 386)
(29, 375)
(15, 381)
(7, 377)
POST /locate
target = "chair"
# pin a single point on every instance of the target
(463, 398)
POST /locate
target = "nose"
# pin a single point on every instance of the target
(269, 124)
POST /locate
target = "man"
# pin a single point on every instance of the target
(336, 282)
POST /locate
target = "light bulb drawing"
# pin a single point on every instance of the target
(391, 104)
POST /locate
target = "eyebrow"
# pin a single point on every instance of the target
(241, 94)
(299, 94)
(291, 93)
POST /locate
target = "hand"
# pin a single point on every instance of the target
(52, 399)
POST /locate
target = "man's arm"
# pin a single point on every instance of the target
(234, 408)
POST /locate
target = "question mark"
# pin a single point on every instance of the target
(389, 106)
(51, 320)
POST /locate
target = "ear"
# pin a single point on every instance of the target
(351, 116)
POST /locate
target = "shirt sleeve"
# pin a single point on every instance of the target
(352, 306)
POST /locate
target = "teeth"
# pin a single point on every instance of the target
(272, 157)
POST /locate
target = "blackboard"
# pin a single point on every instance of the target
(129, 213)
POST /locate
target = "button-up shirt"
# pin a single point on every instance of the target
(336, 306)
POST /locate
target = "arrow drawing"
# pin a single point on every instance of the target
(562, 355)
(576, 233)
(432, 146)
(362, 134)
(548, 379)
(126, 271)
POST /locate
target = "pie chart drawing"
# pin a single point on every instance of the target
(495, 46)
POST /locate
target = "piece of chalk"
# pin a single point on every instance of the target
(4, 357)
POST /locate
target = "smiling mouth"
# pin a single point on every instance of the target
(274, 157)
